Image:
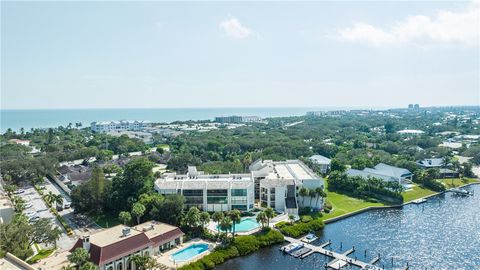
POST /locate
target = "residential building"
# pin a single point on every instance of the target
(219, 192)
(323, 163)
(238, 119)
(384, 172)
(430, 163)
(277, 184)
(112, 248)
(122, 125)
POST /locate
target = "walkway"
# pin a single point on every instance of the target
(340, 259)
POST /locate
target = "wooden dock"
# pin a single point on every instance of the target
(340, 259)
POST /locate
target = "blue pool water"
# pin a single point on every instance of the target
(246, 225)
(189, 252)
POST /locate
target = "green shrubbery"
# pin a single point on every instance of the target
(281, 224)
(241, 246)
(302, 228)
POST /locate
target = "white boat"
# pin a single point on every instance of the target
(292, 247)
(419, 201)
(309, 238)
(461, 191)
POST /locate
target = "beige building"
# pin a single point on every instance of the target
(112, 248)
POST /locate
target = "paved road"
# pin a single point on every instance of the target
(38, 205)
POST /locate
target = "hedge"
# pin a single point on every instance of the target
(242, 245)
(302, 228)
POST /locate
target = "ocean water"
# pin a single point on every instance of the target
(441, 234)
(27, 119)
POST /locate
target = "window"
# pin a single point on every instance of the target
(217, 192)
(120, 266)
(240, 207)
(239, 192)
(193, 192)
(217, 200)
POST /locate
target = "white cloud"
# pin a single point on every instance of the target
(445, 27)
(234, 29)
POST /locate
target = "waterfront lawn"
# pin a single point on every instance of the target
(105, 220)
(343, 204)
(417, 192)
(456, 182)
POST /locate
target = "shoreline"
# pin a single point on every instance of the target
(369, 208)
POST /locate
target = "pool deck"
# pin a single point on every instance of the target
(166, 259)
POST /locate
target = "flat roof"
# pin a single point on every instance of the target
(153, 229)
(111, 235)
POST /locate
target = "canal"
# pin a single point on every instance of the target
(443, 233)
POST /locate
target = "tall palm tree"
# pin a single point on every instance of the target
(217, 217)
(50, 197)
(226, 225)
(262, 219)
(236, 217)
(312, 193)
(269, 213)
(58, 200)
(320, 193)
(204, 219)
(192, 219)
(291, 218)
(303, 193)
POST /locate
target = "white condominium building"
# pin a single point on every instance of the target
(122, 125)
(222, 192)
(277, 184)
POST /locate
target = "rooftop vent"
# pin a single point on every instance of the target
(126, 231)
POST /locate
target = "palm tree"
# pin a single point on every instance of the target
(58, 200)
(236, 218)
(204, 219)
(303, 193)
(56, 233)
(88, 266)
(226, 225)
(144, 262)
(269, 213)
(192, 219)
(125, 217)
(217, 217)
(320, 193)
(262, 219)
(247, 159)
(138, 210)
(50, 197)
(78, 257)
(312, 193)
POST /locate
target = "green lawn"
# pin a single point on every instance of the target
(105, 220)
(417, 192)
(455, 182)
(343, 204)
(42, 254)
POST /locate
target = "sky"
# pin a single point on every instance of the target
(232, 54)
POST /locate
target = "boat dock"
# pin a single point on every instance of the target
(340, 259)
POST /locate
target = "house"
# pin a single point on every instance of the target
(385, 172)
(323, 163)
(210, 192)
(447, 173)
(430, 163)
(277, 184)
(112, 248)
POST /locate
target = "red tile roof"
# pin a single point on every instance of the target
(166, 237)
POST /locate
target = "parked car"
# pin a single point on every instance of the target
(34, 219)
(19, 191)
(30, 214)
(28, 205)
(66, 205)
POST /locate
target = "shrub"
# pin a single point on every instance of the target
(306, 219)
(246, 244)
(301, 228)
(305, 210)
(280, 224)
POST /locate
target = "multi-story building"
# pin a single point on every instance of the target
(277, 184)
(112, 248)
(323, 163)
(237, 119)
(221, 192)
(122, 125)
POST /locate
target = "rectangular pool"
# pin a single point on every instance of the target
(189, 252)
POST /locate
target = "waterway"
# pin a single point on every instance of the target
(443, 233)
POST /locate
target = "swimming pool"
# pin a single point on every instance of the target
(189, 252)
(245, 225)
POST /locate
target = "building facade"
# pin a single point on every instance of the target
(237, 119)
(323, 163)
(222, 192)
(277, 184)
(111, 249)
(122, 125)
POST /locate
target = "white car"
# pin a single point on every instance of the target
(28, 205)
(30, 214)
(33, 219)
(19, 191)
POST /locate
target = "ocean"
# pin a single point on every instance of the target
(46, 118)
